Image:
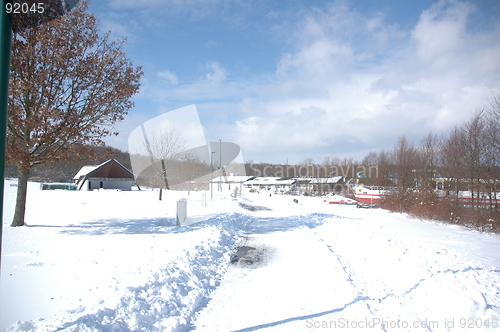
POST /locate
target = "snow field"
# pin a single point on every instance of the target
(115, 261)
(87, 270)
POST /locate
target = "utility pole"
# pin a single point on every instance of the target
(212, 169)
(220, 164)
(5, 41)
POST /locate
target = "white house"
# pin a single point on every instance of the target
(108, 175)
(270, 182)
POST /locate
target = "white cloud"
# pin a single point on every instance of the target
(169, 76)
(249, 126)
(441, 30)
(115, 23)
(216, 73)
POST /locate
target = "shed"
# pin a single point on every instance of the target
(108, 175)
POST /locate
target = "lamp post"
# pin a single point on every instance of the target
(211, 180)
(5, 41)
(220, 163)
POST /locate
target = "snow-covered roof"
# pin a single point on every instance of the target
(334, 179)
(84, 171)
(269, 181)
(89, 168)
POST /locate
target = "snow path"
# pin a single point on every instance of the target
(281, 289)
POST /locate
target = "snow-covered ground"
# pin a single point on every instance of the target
(117, 261)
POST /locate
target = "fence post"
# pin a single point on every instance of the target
(181, 211)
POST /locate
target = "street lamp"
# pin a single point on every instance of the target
(211, 180)
(220, 164)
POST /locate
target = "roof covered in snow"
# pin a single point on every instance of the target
(84, 171)
(269, 181)
(334, 179)
(108, 169)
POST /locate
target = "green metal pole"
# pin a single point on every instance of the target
(5, 40)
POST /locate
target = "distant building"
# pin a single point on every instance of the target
(270, 182)
(320, 185)
(108, 175)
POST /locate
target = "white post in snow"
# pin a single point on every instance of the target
(181, 211)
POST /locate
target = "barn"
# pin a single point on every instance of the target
(108, 175)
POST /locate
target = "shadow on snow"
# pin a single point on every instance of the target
(236, 222)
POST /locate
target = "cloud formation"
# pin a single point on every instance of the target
(344, 82)
(169, 76)
(355, 83)
(216, 74)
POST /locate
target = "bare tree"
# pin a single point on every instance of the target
(378, 168)
(68, 86)
(405, 158)
(452, 160)
(492, 172)
(428, 159)
(166, 147)
(474, 150)
(384, 176)
(191, 166)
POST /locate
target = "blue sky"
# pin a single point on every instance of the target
(290, 80)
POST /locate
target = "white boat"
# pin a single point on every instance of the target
(369, 195)
(337, 199)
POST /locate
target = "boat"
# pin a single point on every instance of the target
(337, 199)
(370, 195)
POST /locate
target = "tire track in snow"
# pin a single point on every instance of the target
(407, 278)
(348, 272)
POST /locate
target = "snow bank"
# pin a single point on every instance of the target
(157, 292)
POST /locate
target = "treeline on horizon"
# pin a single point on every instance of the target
(466, 158)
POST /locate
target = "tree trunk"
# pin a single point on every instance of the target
(164, 174)
(22, 189)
